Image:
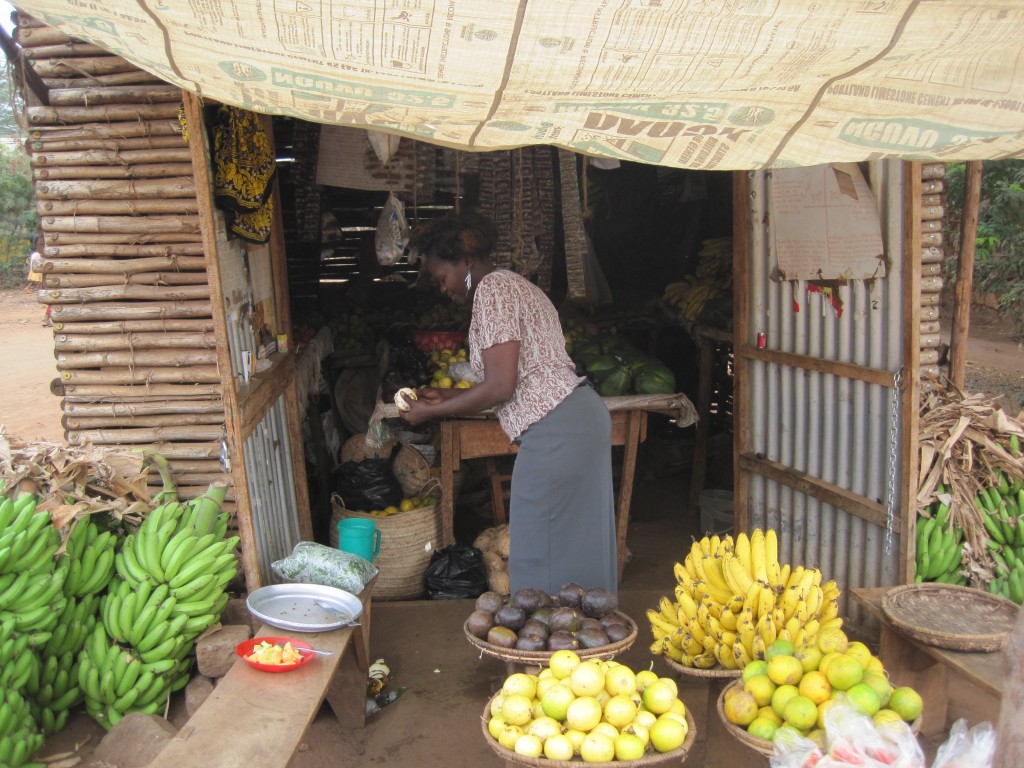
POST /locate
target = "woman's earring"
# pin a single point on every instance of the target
(469, 281)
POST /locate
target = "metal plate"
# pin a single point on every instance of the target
(294, 607)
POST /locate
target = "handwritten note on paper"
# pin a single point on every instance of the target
(825, 223)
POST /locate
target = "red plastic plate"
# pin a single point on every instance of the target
(245, 648)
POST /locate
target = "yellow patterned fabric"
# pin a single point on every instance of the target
(254, 226)
(244, 162)
(244, 168)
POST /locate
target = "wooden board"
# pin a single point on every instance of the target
(255, 718)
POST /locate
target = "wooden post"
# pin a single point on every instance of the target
(1010, 731)
(909, 459)
(965, 274)
(741, 229)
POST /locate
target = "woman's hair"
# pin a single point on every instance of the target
(455, 236)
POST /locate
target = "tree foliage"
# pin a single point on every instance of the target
(999, 245)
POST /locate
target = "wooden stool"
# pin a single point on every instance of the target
(497, 491)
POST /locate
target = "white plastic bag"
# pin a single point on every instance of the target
(392, 232)
(384, 145)
(974, 748)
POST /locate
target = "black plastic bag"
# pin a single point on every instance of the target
(455, 573)
(368, 485)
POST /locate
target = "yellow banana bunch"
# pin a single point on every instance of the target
(733, 599)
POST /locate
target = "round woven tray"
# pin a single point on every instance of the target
(764, 746)
(649, 758)
(950, 616)
(541, 658)
(715, 672)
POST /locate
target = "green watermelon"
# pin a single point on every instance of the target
(654, 379)
(601, 364)
(614, 383)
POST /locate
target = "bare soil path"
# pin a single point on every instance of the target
(27, 409)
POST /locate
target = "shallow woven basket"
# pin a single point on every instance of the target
(541, 658)
(715, 672)
(950, 616)
(649, 758)
(411, 470)
(357, 449)
(407, 541)
(764, 746)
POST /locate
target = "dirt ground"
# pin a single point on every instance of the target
(27, 409)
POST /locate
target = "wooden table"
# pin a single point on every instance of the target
(483, 437)
(255, 718)
(939, 675)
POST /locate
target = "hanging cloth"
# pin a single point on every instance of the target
(244, 169)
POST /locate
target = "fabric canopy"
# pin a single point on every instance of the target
(683, 83)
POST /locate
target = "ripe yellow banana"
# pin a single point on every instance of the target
(795, 575)
(742, 552)
(815, 597)
(784, 573)
(737, 576)
(725, 656)
(752, 601)
(668, 610)
(697, 630)
(716, 576)
(757, 555)
(771, 557)
(686, 607)
(765, 601)
(741, 654)
(788, 601)
(728, 620)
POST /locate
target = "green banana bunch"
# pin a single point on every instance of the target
(74, 626)
(55, 691)
(28, 540)
(939, 547)
(20, 738)
(89, 559)
(115, 681)
(16, 659)
(1002, 513)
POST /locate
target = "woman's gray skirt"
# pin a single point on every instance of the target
(562, 509)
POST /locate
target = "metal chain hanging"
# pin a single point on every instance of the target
(890, 495)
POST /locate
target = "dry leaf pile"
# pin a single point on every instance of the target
(964, 443)
(77, 481)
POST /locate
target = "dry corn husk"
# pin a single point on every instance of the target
(78, 481)
(963, 441)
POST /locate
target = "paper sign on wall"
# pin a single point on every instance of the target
(825, 223)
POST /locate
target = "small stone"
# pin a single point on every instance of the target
(135, 741)
(215, 652)
(196, 692)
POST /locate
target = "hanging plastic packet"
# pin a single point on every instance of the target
(384, 145)
(392, 232)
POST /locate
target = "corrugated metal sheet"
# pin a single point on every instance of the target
(830, 427)
(271, 489)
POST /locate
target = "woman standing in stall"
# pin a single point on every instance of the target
(562, 511)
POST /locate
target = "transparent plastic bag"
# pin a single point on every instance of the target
(967, 748)
(392, 232)
(312, 563)
(853, 741)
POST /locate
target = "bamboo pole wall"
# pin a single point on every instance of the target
(122, 258)
(932, 255)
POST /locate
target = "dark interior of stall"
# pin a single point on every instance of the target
(636, 257)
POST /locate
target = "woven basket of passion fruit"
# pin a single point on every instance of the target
(528, 626)
(547, 720)
(408, 538)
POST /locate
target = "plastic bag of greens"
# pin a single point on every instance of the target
(312, 563)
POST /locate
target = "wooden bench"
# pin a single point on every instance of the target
(255, 718)
(967, 680)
